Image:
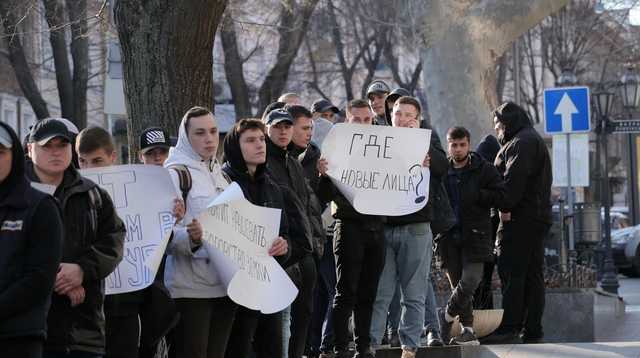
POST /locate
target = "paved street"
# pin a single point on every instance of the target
(627, 328)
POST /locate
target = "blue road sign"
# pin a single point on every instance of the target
(567, 110)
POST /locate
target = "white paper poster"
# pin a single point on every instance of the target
(143, 196)
(379, 168)
(237, 236)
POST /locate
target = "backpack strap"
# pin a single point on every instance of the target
(184, 179)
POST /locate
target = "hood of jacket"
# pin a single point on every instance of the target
(488, 148)
(184, 154)
(233, 158)
(16, 175)
(514, 118)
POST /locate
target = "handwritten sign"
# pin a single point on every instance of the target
(237, 236)
(143, 198)
(379, 168)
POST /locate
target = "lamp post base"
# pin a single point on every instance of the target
(609, 281)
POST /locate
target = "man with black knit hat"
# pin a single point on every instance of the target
(525, 219)
(376, 94)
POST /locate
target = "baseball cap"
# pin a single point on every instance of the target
(323, 105)
(276, 116)
(377, 86)
(154, 137)
(47, 129)
(5, 137)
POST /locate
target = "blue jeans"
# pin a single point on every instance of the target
(431, 322)
(407, 263)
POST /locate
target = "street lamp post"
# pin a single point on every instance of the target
(630, 94)
(603, 101)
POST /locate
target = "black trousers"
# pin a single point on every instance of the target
(122, 333)
(204, 327)
(302, 307)
(359, 253)
(521, 269)
(256, 333)
(27, 347)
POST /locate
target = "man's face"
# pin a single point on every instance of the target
(155, 156)
(302, 130)
(376, 101)
(253, 147)
(281, 133)
(97, 159)
(53, 158)
(328, 115)
(405, 115)
(360, 115)
(6, 156)
(458, 148)
(499, 127)
(203, 136)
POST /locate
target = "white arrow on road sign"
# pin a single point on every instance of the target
(565, 110)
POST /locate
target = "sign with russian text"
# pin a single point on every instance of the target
(379, 168)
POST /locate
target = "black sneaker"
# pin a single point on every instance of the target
(445, 327)
(434, 340)
(394, 340)
(501, 337)
(466, 338)
(369, 353)
(343, 354)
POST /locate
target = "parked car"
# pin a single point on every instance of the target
(625, 249)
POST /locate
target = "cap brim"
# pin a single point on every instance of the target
(333, 109)
(46, 140)
(279, 120)
(154, 146)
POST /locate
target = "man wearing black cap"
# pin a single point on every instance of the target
(154, 146)
(323, 119)
(376, 94)
(289, 175)
(92, 249)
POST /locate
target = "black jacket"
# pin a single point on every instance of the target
(260, 189)
(438, 169)
(94, 240)
(308, 158)
(479, 187)
(287, 172)
(525, 164)
(30, 249)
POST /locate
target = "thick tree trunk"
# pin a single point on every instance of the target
(234, 70)
(167, 49)
(19, 61)
(466, 40)
(54, 13)
(80, 53)
(293, 27)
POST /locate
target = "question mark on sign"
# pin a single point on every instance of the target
(419, 198)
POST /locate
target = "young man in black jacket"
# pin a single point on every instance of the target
(92, 248)
(474, 187)
(525, 219)
(245, 163)
(30, 250)
(288, 173)
(359, 253)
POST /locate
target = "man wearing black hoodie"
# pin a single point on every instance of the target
(93, 241)
(525, 219)
(30, 250)
(245, 163)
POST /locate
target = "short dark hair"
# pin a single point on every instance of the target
(249, 123)
(297, 111)
(409, 100)
(94, 138)
(196, 111)
(458, 133)
(357, 103)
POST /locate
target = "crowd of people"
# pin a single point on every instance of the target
(364, 281)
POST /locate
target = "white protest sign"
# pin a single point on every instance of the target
(379, 168)
(143, 198)
(237, 236)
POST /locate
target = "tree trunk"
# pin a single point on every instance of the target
(466, 40)
(233, 68)
(19, 62)
(80, 53)
(167, 49)
(293, 27)
(54, 13)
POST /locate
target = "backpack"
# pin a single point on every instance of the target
(184, 179)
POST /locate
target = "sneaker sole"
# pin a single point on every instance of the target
(469, 343)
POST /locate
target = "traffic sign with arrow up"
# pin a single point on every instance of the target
(566, 110)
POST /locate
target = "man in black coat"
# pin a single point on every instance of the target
(473, 186)
(525, 219)
(92, 249)
(30, 250)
